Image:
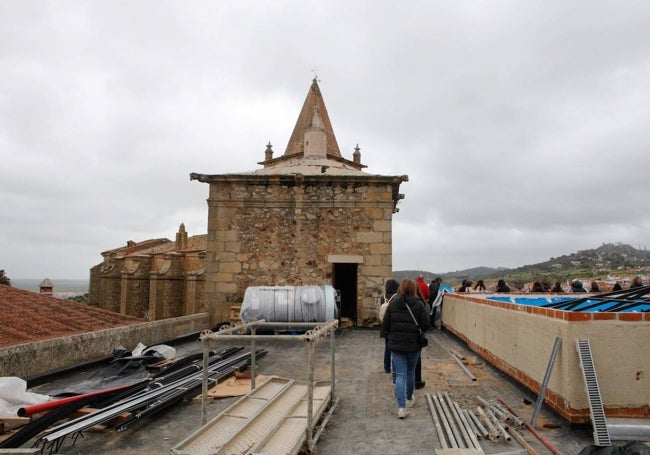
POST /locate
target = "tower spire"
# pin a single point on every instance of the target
(313, 102)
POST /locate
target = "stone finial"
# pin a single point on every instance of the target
(181, 238)
(268, 153)
(356, 156)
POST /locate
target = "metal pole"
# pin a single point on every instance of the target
(333, 363)
(445, 421)
(436, 422)
(253, 363)
(547, 378)
(498, 424)
(452, 423)
(204, 386)
(478, 423)
(532, 430)
(470, 432)
(463, 367)
(310, 392)
(520, 439)
(472, 424)
(461, 427)
(493, 433)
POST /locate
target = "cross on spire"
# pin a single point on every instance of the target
(315, 73)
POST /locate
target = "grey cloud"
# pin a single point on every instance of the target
(522, 126)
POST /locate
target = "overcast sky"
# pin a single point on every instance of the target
(524, 126)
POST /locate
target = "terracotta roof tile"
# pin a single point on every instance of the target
(26, 316)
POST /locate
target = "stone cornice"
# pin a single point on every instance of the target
(293, 179)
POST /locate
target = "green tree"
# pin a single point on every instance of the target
(4, 279)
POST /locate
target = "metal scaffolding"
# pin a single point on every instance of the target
(316, 332)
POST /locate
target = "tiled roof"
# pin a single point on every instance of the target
(27, 316)
(197, 243)
(133, 247)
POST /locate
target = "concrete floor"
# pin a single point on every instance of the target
(365, 421)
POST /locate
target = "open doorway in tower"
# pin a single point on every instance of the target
(345, 281)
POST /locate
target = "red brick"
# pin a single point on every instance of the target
(604, 316)
(576, 316)
(630, 317)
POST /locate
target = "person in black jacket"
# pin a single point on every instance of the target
(404, 340)
(391, 290)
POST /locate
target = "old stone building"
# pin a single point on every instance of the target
(308, 217)
(154, 279)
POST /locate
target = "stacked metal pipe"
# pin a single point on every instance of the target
(160, 393)
(463, 428)
(452, 425)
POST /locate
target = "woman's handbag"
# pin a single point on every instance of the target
(423, 341)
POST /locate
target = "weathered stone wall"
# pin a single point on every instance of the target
(33, 358)
(150, 286)
(280, 230)
(136, 287)
(106, 287)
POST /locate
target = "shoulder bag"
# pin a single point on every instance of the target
(422, 340)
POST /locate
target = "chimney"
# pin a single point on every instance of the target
(46, 287)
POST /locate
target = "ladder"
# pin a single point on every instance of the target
(601, 434)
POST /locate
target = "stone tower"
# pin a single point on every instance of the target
(308, 217)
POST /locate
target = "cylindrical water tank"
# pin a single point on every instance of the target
(289, 304)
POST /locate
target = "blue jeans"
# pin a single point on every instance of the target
(404, 364)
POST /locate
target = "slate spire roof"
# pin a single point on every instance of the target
(312, 147)
(313, 102)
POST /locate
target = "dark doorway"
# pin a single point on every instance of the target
(345, 281)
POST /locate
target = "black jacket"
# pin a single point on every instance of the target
(398, 325)
(434, 287)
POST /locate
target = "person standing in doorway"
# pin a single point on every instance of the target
(405, 316)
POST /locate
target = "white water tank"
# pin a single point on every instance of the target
(289, 304)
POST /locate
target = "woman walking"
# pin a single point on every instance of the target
(405, 317)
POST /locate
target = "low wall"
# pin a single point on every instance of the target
(24, 360)
(519, 340)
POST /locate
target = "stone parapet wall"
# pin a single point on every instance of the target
(38, 357)
(519, 340)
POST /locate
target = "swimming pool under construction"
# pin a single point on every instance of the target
(537, 339)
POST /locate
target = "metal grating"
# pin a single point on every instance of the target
(601, 434)
(272, 417)
(289, 434)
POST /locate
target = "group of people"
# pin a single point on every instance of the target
(405, 315)
(470, 286)
(577, 286)
(408, 309)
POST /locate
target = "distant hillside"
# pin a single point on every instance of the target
(459, 275)
(594, 263)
